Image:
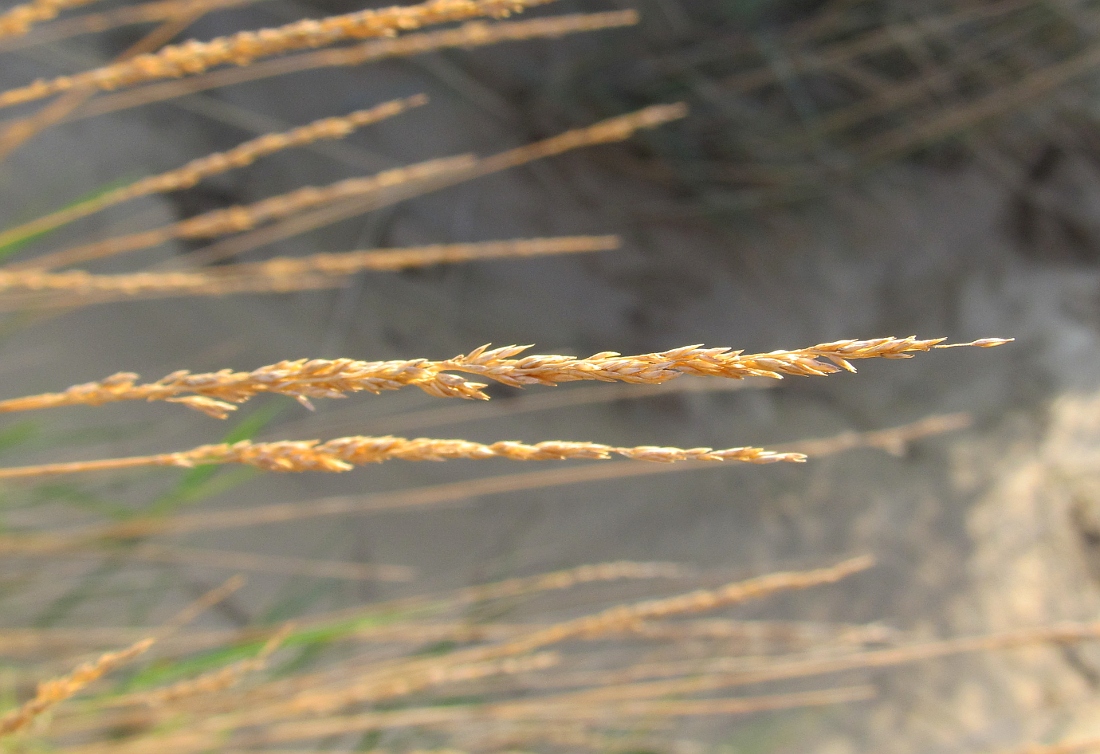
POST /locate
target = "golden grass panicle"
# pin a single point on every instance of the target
(18, 20)
(58, 690)
(345, 453)
(215, 392)
(220, 162)
(469, 35)
(192, 57)
(239, 218)
(349, 197)
(33, 288)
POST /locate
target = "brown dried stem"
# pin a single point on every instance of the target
(216, 392)
(190, 58)
(214, 164)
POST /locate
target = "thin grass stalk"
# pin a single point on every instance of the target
(534, 710)
(97, 23)
(220, 162)
(470, 35)
(1079, 746)
(434, 495)
(19, 132)
(238, 218)
(53, 692)
(251, 562)
(612, 130)
(33, 288)
(364, 194)
(194, 57)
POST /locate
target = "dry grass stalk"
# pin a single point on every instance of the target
(1082, 746)
(54, 691)
(93, 23)
(216, 681)
(190, 58)
(540, 710)
(216, 392)
(280, 274)
(18, 132)
(440, 494)
(623, 616)
(1063, 633)
(238, 218)
(245, 561)
(471, 34)
(349, 197)
(18, 20)
(344, 453)
(214, 164)
(405, 676)
(604, 132)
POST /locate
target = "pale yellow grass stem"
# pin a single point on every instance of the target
(470, 35)
(418, 497)
(17, 132)
(277, 275)
(604, 132)
(210, 683)
(1081, 746)
(349, 197)
(235, 219)
(190, 58)
(58, 690)
(216, 392)
(21, 18)
(95, 23)
(538, 710)
(416, 674)
(343, 454)
(214, 164)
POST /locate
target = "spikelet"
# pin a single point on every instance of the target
(59, 689)
(19, 19)
(140, 13)
(218, 680)
(238, 218)
(386, 187)
(215, 392)
(472, 34)
(345, 453)
(193, 57)
(214, 164)
(284, 273)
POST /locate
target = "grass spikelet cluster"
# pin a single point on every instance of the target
(322, 378)
(345, 453)
(18, 20)
(57, 690)
(205, 167)
(279, 274)
(193, 57)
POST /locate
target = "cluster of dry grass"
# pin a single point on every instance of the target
(517, 685)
